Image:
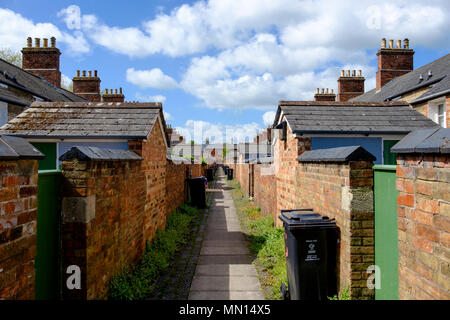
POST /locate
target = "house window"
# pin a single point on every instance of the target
(3, 113)
(441, 115)
(438, 113)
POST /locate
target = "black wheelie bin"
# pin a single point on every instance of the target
(311, 244)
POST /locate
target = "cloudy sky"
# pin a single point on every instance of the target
(223, 65)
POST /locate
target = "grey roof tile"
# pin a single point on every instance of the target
(85, 119)
(439, 82)
(17, 77)
(425, 141)
(341, 154)
(350, 117)
(84, 153)
(16, 148)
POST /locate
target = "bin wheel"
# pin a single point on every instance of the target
(284, 292)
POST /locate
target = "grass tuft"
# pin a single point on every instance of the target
(138, 283)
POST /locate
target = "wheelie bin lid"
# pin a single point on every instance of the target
(305, 218)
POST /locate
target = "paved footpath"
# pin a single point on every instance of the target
(224, 270)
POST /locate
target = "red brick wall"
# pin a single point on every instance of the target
(424, 226)
(114, 237)
(265, 190)
(18, 212)
(285, 155)
(176, 175)
(343, 191)
(130, 205)
(153, 150)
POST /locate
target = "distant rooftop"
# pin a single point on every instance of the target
(85, 120)
(351, 117)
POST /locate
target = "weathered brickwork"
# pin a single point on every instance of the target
(343, 191)
(285, 155)
(423, 182)
(123, 204)
(18, 213)
(176, 175)
(153, 150)
(44, 62)
(265, 195)
(110, 235)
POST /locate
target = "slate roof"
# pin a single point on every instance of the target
(340, 154)
(351, 117)
(16, 77)
(424, 141)
(13, 148)
(84, 153)
(440, 82)
(85, 120)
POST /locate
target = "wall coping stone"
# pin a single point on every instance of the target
(340, 154)
(82, 153)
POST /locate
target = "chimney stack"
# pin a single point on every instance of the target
(113, 97)
(42, 61)
(324, 95)
(350, 85)
(87, 87)
(393, 62)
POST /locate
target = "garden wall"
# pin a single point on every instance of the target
(343, 191)
(423, 182)
(18, 213)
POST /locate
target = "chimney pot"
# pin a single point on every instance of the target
(323, 90)
(332, 91)
(53, 42)
(95, 73)
(37, 42)
(353, 73)
(90, 73)
(106, 91)
(348, 73)
(406, 43)
(391, 44)
(45, 42)
(326, 91)
(317, 90)
(120, 90)
(342, 73)
(399, 44)
(383, 43)
(29, 42)
(83, 73)
(359, 73)
(115, 91)
(78, 73)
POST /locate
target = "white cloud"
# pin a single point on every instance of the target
(14, 30)
(146, 98)
(153, 78)
(66, 82)
(218, 132)
(268, 118)
(168, 116)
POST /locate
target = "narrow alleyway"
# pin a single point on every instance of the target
(224, 270)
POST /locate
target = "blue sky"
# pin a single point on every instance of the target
(224, 64)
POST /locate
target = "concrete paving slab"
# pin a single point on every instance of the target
(226, 295)
(225, 283)
(210, 251)
(226, 270)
